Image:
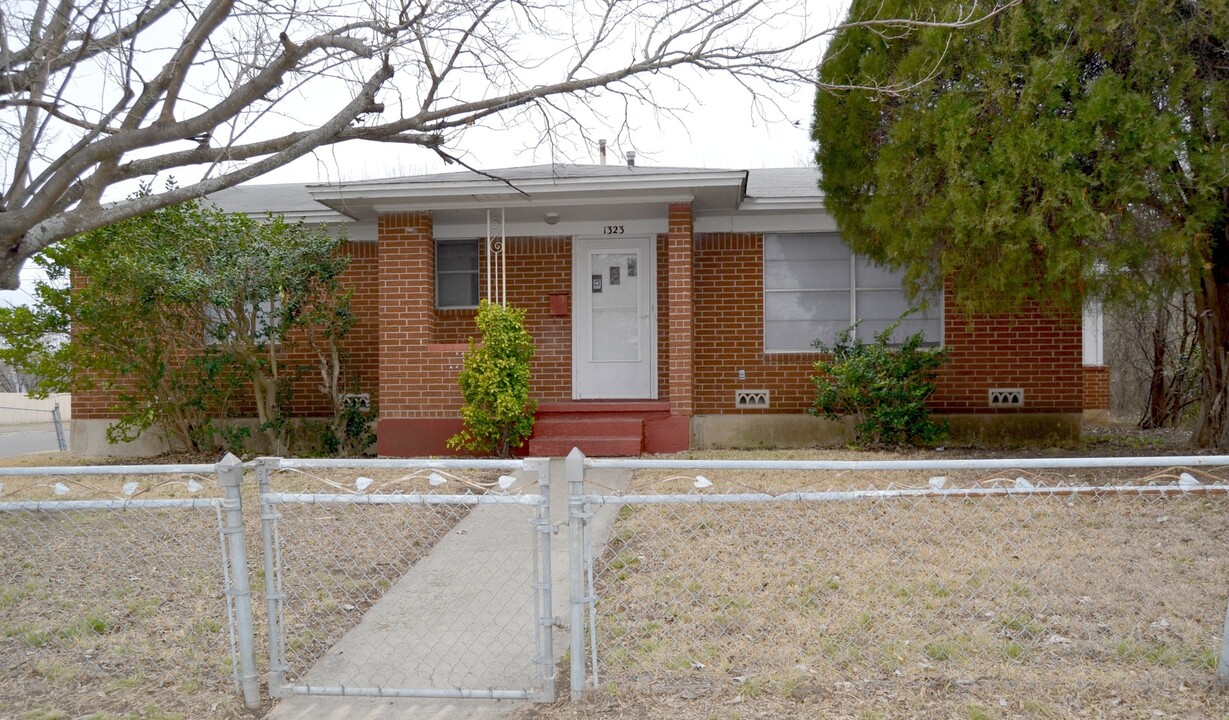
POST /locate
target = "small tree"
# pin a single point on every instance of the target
(884, 387)
(498, 413)
(175, 313)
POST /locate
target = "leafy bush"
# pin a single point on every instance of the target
(884, 387)
(498, 413)
(352, 432)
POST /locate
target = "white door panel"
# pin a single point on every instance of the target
(614, 338)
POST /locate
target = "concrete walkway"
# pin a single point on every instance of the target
(461, 617)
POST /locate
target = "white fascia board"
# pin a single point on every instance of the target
(485, 193)
(782, 222)
(323, 215)
(783, 203)
(517, 201)
(601, 183)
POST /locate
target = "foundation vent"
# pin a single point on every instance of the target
(751, 399)
(362, 401)
(1006, 397)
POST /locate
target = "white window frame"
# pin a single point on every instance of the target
(853, 296)
(264, 314)
(476, 272)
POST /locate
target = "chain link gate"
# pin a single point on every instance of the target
(432, 580)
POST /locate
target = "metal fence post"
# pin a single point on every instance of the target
(542, 586)
(274, 598)
(1222, 664)
(230, 476)
(574, 473)
(58, 421)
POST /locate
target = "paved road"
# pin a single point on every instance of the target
(21, 439)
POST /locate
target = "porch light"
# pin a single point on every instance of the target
(551, 218)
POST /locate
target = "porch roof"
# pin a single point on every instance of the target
(711, 192)
(537, 186)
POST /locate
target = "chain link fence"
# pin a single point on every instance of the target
(1024, 589)
(1029, 587)
(114, 593)
(407, 578)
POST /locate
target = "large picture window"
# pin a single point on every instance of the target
(814, 287)
(456, 273)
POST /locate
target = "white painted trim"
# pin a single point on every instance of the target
(564, 228)
(484, 189)
(1094, 332)
(795, 222)
(542, 200)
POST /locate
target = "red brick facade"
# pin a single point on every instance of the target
(710, 309)
(1030, 350)
(1097, 387)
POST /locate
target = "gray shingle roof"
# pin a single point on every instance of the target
(251, 198)
(783, 183)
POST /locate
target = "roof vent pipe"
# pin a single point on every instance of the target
(631, 158)
(601, 150)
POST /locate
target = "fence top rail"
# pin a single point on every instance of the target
(407, 499)
(907, 493)
(192, 469)
(71, 505)
(882, 465)
(397, 463)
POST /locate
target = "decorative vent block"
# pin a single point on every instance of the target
(751, 399)
(1006, 397)
(361, 401)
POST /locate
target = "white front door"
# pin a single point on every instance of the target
(614, 323)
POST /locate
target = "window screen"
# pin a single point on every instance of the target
(456, 273)
(815, 287)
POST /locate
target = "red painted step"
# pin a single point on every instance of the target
(558, 426)
(591, 446)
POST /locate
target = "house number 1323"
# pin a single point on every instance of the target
(612, 230)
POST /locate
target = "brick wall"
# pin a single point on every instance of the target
(537, 267)
(1032, 350)
(1041, 352)
(1096, 387)
(729, 331)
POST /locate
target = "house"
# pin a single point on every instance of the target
(671, 308)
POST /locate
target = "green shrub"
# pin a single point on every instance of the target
(498, 413)
(884, 387)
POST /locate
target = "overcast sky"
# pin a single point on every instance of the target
(722, 126)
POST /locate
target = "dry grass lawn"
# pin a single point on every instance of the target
(117, 615)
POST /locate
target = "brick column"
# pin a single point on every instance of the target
(1097, 394)
(680, 291)
(407, 312)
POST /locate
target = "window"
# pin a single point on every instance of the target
(456, 273)
(261, 318)
(814, 287)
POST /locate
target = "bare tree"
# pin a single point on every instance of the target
(1154, 358)
(14, 381)
(94, 93)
